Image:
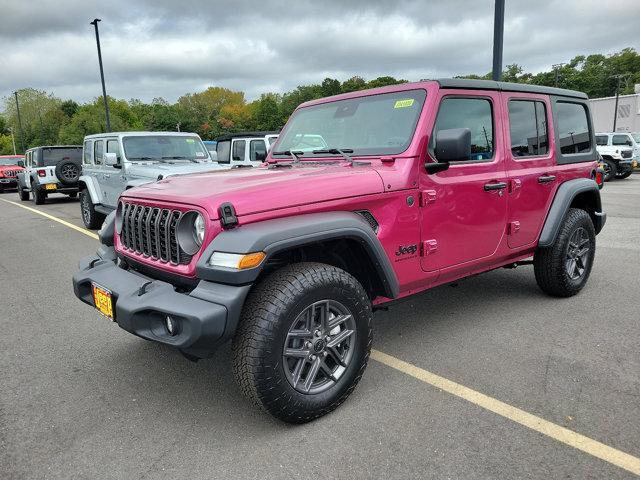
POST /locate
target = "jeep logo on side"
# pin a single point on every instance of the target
(406, 249)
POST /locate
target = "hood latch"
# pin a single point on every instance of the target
(228, 217)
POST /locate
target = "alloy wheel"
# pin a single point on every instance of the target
(319, 346)
(577, 254)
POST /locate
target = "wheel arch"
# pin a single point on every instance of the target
(342, 239)
(90, 184)
(582, 193)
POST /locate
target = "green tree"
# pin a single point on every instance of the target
(266, 112)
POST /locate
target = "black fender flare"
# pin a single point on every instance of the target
(563, 199)
(277, 235)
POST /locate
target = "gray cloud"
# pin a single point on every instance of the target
(168, 48)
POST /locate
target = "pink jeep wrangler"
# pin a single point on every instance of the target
(366, 198)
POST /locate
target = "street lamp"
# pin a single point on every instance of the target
(104, 89)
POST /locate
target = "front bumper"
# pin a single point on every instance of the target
(8, 182)
(207, 316)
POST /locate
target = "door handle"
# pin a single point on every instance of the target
(546, 178)
(494, 186)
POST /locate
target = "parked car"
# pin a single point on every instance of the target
(244, 148)
(422, 184)
(617, 150)
(10, 166)
(114, 162)
(51, 169)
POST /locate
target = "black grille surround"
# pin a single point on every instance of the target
(152, 232)
(626, 153)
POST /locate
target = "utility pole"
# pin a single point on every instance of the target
(13, 141)
(19, 121)
(615, 110)
(178, 126)
(104, 89)
(556, 67)
(498, 34)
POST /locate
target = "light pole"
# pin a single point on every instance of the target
(104, 89)
(556, 67)
(19, 121)
(615, 110)
(498, 34)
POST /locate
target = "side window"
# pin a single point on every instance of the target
(573, 128)
(621, 140)
(257, 150)
(474, 114)
(602, 140)
(86, 153)
(528, 128)
(238, 150)
(98, 151)
(113, 147)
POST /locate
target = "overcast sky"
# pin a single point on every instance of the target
(165, 48)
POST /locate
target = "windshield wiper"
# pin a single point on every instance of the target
(336, 151)
(142, 158)
(294, 154)
(180, 158)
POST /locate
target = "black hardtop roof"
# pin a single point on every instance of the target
(230, 136)
(507, 87)
(54, 146)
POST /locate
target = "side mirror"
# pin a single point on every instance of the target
(453, 144)
(111, 159)
(261, 156)
(20, 163)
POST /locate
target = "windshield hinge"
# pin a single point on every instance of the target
(228, 217)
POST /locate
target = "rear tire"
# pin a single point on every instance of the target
(610, 170)
(23, 194)
(39, 196)
(290, 361)
(91, 219)
(562, 269)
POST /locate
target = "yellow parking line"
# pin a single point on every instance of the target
(540, 425)
(561, 434)
(55, 219)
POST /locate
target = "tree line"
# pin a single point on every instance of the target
(48, 120)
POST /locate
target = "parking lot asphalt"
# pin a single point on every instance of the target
(81, 398)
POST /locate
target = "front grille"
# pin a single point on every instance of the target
(10, 173)
(626, 153)
(152, 232)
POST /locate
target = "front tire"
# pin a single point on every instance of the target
(562, 269)
(91, 219)
(610, 170)
(303, 341)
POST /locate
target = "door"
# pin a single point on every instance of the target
(464, 208)
(114, 177)
(530, 164)
(257, 151)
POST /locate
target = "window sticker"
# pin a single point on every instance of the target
(404, 103)
(190, 140)
(199, 154)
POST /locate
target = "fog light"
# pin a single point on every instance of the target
(171, 325)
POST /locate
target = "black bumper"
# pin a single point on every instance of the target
(207, 316)
(8, 183)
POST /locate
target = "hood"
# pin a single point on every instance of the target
(258, 189)
(165, 169)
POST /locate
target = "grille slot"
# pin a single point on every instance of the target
(152, 232)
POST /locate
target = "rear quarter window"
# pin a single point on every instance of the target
(573, 128)
(602, 140)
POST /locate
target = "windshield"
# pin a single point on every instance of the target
(636, 137)
(373, 125)
(51, 156)
(169, 147)
(10, 160)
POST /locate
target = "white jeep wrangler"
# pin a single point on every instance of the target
(617, 151)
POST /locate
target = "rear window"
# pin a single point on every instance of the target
(223, 149)
(51, 156)
(602, 140)
(573, 128)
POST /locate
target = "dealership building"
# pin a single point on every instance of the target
(628, 115)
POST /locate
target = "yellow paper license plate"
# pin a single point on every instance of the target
(634, 164)
(50, 186)
(103, 301)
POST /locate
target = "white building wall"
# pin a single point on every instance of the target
(628, 113)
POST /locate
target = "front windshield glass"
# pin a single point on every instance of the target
(636, 137)
(164, 147)
(10, 160)
(373, 125)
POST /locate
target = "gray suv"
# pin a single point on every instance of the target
(114, 162)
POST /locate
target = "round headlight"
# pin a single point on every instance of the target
(198, 229)
(190, 232)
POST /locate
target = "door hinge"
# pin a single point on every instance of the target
(428, 247)
(513, 227)
(427, 197)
